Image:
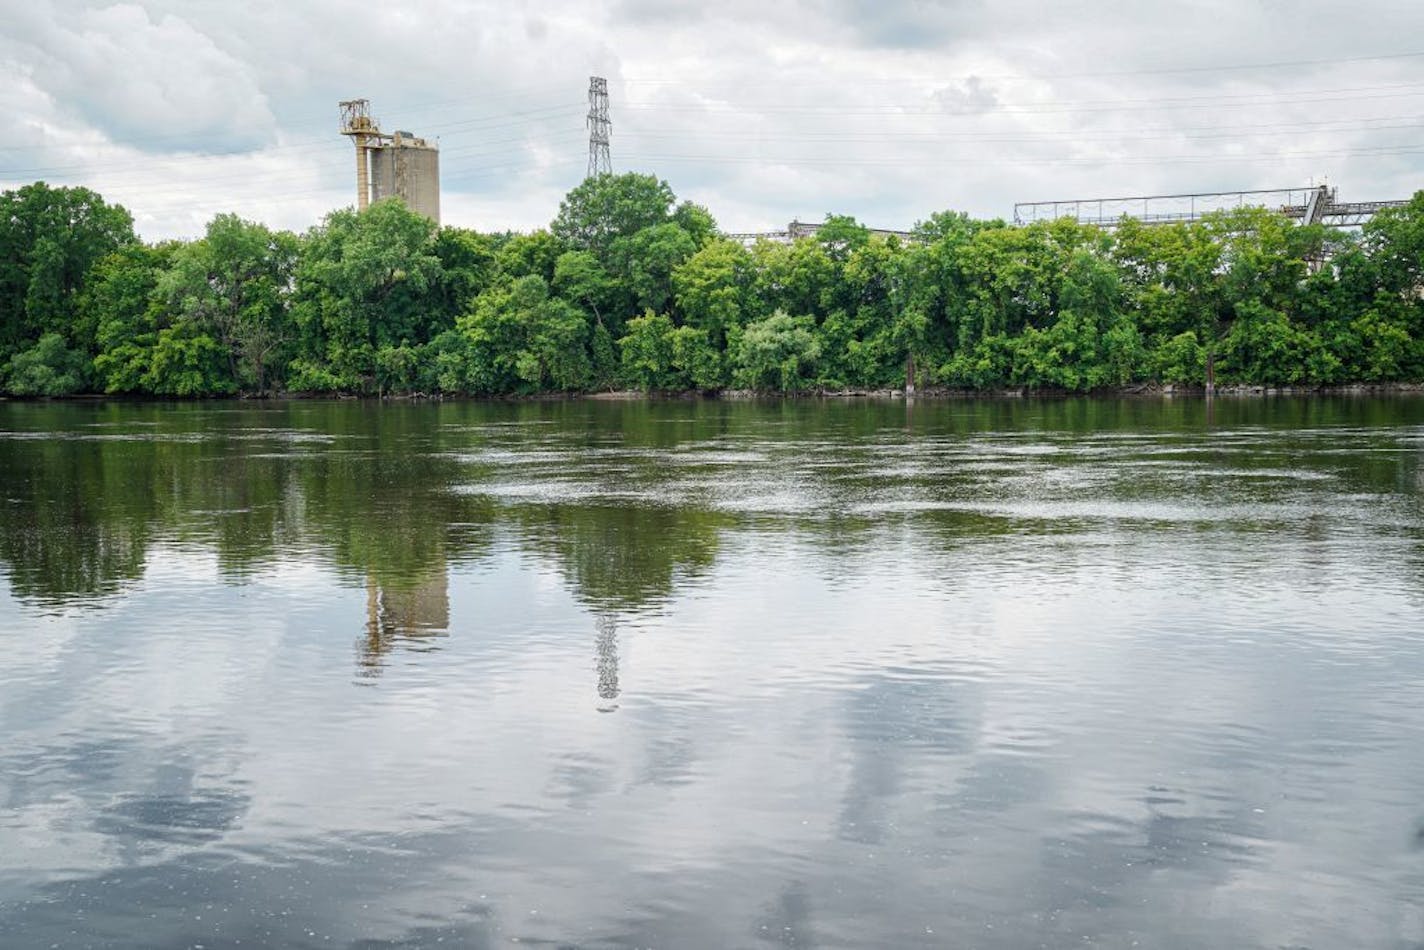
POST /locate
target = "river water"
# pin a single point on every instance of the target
(996, 674)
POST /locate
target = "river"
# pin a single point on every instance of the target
(1002, 674)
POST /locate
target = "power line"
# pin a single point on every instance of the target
(310, 171)
(1028, 137)
(463, 126)
(599, 130)
(494, 122)
(1154, 103)
(178, 162)
(999, 161)
(1161, 71)
(167, 198)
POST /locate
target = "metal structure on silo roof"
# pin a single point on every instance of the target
(398, 164)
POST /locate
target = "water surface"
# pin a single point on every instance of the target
(974, 674)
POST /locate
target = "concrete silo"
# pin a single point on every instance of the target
(399, 164)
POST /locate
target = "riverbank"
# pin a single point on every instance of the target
(1025, 392)
(740, 395)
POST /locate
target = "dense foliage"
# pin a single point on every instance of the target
(629, 288)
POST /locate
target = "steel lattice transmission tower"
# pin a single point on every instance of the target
(600, 128)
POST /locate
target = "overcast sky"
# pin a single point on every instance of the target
(762, 111)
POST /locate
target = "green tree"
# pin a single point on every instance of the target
(519, 338)
(365, 281)
(185, 361)
(797, 278)
(49, 368)
(657, 355)
(938, 289)
(234, 285)
(888, 324)
(645, 261)
(528, 255)
(120, 299)
(49, 239)
(647, 352)
(468, 264)
(1261, 271)
(779, 352)
(381, 301)
(1180, 360)
(1378, 347)
(713, 289)
(604, 208)
(581, 279)
(697, 221)
(1091, 343)
(841, 236)
(1394, 240)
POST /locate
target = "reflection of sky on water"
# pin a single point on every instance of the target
(1009, 716)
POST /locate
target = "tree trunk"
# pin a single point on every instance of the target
(909, 374)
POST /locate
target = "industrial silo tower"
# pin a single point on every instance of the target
(391, 163)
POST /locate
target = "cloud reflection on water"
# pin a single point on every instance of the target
(957, 693)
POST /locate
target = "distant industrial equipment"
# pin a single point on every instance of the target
(600, 128)
(398, 163)
(803, 229)
(1317, 204)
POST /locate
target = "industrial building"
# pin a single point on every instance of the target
(399, 163)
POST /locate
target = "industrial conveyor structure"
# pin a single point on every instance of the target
(1316, 204)
(387, 164)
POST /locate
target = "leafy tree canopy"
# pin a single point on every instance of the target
(607, 207)
(630, 288)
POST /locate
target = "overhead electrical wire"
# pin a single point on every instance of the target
(179, 161)
(464, 126)
(1158, 71)
(221, 203)
(570, 110)
(810, 137)
(148, 186)
(1030, 137)
(999, 161)
(559, 113)
(1405, 90)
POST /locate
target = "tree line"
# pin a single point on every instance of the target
(628, 288)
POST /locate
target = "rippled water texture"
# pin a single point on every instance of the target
(971, 674)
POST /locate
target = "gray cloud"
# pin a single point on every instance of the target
(151, 81)
(888, 110)
(909, 24)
